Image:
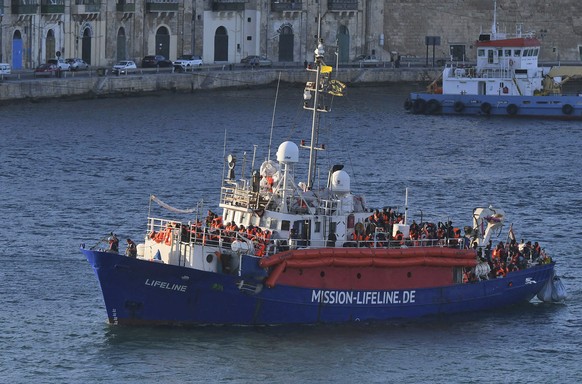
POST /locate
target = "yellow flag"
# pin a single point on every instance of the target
(325, 69)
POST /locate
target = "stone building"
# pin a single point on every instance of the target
(103, 32)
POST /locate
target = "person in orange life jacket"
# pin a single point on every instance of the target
(113, 243)
(131, 250)
(536, 250)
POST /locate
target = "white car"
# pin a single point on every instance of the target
(60, 63)
(187, 63)
(124, 67)
(77, 64)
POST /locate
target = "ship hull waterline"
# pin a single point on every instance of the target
(140, 292)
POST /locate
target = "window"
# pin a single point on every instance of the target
(517, 53)
(285, 225)
(508, 53)
(481, 53)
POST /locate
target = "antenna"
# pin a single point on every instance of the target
(273, 118)
(494, 26)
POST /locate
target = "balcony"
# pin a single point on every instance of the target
(342, 5)
(161, 6)
(84, 10)
(122, 6)
(20, 8)
(228, 5)
(52, 6)
(289, 5)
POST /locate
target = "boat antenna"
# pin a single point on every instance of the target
(494, 26)
(406, 207)
(273, 118)
(224, 157)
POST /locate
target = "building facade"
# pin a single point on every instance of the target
(103, 32)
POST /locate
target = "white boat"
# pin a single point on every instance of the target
(506, 80)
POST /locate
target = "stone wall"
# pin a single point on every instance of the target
(200, 80)
(558, 25)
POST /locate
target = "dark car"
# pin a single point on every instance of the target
(46, 70)
(154, 61)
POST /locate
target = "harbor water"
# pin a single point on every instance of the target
(71, 172)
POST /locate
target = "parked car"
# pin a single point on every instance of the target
(366, 60)
(47, 69)
(247, 59)
(257, 61)
(5, 69)
(60, 63)
(77, 64)
(124, 67)
(187, 63)
(154, 61)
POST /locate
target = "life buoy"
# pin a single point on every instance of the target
(433, 106)
(419, 106)
(486, 108)
(567, 109)
(511, 63)
(459, 106)
(512, 109)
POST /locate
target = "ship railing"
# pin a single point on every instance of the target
(156, 225)
(492, 73)
(379, 243)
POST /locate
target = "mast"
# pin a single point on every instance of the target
(319, 52)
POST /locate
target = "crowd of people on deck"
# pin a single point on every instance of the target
(505, 258)
(213, 230)
(379, 227)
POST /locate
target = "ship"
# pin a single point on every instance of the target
(287, 249)
(506, 80)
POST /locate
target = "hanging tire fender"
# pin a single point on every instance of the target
(419, 106)
(512, 109)
(459, 106)
(433, 106)
(567, 109)
(486, 108)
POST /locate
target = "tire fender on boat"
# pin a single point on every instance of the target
(433, 106)
(459, 106)
(408, 104)
(419, 106)
(512, 109)
(486, 108)
(567, 109)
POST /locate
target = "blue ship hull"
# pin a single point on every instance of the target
(139, 292)
(559, 107)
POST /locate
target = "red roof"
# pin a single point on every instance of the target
(517, 42)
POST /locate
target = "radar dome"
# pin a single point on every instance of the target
(288, 152)
(340, 182)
